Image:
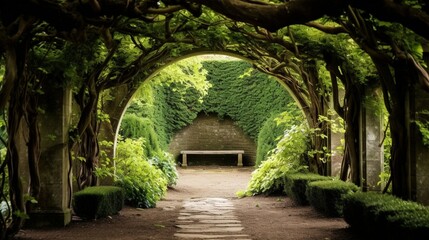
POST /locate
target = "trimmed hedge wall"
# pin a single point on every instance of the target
(370, 213)
(295, 185)
(327, 196)
(386, 215)
(98, 201)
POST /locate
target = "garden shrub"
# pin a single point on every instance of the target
(386, 214)
(288, 157)
(134, 126)
(273, 129)
(357, 207)
(98, 201)
(295, 185)
(165, 162)
(327, 196)
(268, 137)
(144, 184)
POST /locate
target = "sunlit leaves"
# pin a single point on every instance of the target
(287, 157)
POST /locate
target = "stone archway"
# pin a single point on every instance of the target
(117, 106)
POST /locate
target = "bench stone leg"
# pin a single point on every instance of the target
(184, 160)
(240, 160)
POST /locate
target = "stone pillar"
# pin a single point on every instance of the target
(53, 207)
(334, 142)
(336, 159)
(371, 153)
(419, 153)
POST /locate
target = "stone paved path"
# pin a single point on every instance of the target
(209, 218)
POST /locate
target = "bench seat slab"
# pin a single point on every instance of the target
(204, 152)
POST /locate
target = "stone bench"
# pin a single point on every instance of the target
(211, 152)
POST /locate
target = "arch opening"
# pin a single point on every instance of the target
(211, 56)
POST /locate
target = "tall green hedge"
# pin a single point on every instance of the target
(248, 96)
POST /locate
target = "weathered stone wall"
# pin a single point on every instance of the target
(208, 132)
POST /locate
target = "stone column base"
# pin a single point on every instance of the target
(39, 219)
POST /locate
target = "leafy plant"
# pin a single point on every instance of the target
(144, 184)
(105, 167)
(165, 162)
(273, 129)
(288, 157)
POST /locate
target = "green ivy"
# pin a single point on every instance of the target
(246, 95)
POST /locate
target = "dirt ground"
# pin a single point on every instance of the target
(263, 218)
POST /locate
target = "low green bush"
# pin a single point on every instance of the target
(98, 201)
(387, 215)
(295, 185)
(327, 196)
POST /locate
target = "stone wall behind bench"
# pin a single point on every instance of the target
(208, 132)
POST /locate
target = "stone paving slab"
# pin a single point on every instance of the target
(212, 230)
(208, 225)
(205, 236)
(209, 218)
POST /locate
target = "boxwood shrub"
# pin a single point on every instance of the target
(98, 201)
(295, 185)
(386, 214)
(327, 196)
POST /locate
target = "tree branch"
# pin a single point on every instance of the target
(276, 16)
(326, 29)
